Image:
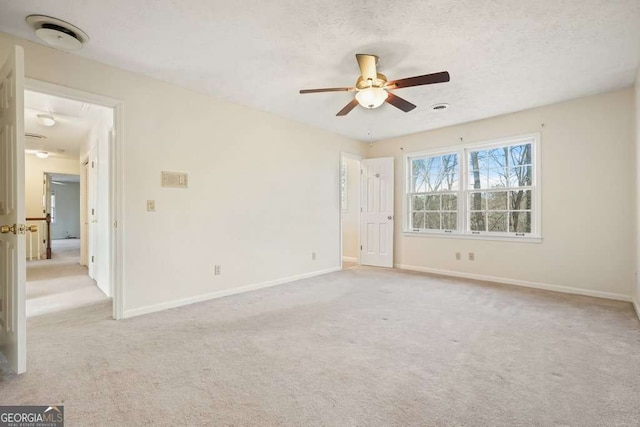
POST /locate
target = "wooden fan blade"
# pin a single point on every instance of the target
(400, 103)
(347, 109)
(329, 89)
(427, 79)
(367, 64)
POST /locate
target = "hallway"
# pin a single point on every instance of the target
(60, 283)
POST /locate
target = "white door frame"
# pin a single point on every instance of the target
(345, 155)
(116, 185)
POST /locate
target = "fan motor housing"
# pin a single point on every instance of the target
(381, 81)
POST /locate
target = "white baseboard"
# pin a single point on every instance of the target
(637, 307)
(524, 283)
(219, 294)
(349, 259)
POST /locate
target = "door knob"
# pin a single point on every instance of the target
(32, 228)
(389, 217)
(4, 229)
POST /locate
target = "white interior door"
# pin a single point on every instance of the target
(13, 339)
(376, 218)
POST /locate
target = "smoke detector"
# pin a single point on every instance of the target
(57, 33)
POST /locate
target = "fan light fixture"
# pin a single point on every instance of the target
(42, 154)
(46, 119)
(372, 97)
(373, 89)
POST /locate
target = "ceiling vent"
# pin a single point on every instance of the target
(35, 135)
(57, 33)
(439, 107)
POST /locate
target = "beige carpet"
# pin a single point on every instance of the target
(60, 283)
(359, 347)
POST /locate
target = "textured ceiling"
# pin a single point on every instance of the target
(503, 56)
(74, 121)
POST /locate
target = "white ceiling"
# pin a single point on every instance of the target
(74, 121)
(503, 56)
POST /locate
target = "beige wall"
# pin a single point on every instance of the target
(263, 191)
(350, 216)
(587, 180)
(34, 173)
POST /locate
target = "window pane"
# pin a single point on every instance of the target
(520, 222)
(520, 155)
(418, 176)
(478, 179)
(477, 221)
(417, 219)
(477, 201)
(438, 173)
(520, 176)
(432, 221)
(497, 221)
(520, 200)
(478, 160)
(449, 202)
(443, 180)
(496, 178)
(449, 220)
(497, 158)
(433, 203)
(417, 203)
(497, 200)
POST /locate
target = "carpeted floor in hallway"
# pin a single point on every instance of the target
(60, 283)
(359, 347)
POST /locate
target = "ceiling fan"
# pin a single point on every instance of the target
(372, 88)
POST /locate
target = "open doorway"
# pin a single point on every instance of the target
(350, 209)
(67, 177)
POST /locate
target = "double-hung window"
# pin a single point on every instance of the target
(434, 192)
(487, 189)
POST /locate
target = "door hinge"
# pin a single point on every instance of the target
(93, 211)
(92, 258)
(115, 224)
(93, 164)
(360, 247)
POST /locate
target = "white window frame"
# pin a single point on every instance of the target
(463, 230)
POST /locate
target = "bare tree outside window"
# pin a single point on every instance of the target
(434, 187)
(504, 203)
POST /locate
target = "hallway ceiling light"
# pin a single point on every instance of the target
(42, 154)
(46, 119)
(57, 33)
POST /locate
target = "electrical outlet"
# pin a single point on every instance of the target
(151, 205)
(458, 256)
(314, 255)
(216, 270)
(472, 256)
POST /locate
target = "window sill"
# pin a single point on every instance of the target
(473, 237)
